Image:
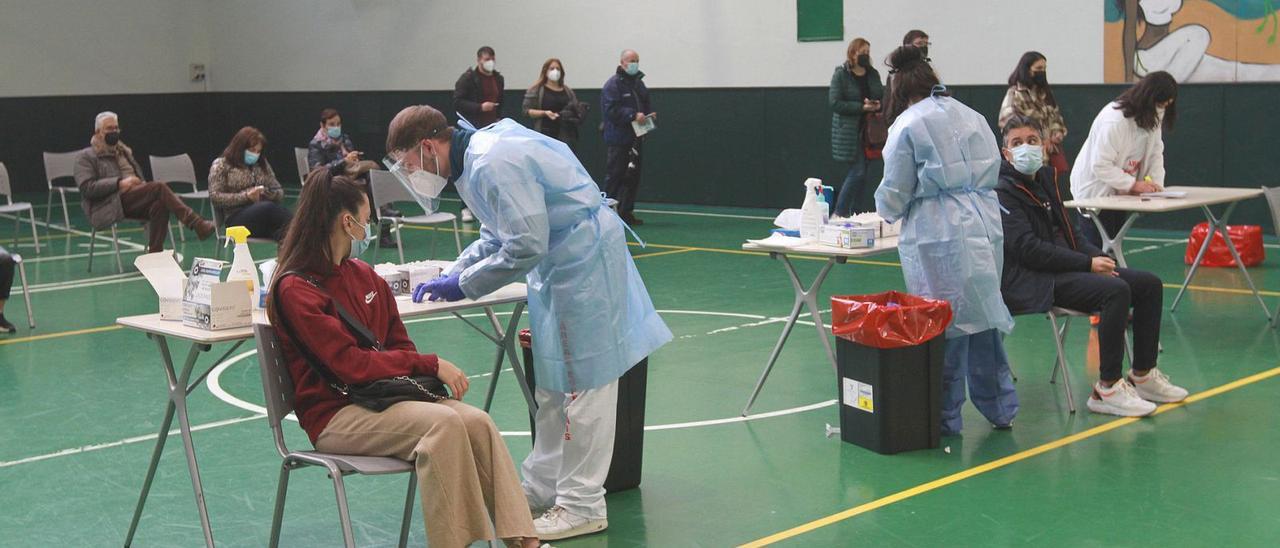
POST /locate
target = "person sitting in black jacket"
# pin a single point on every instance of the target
(1048, 262)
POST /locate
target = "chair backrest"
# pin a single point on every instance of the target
(300, 160)
(387, 189)
(1273, 200)
(277, 385)
(58, 165)
(174, 169)
(5, 190)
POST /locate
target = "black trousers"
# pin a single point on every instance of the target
(622, 182)
(263, 219)
(1111, 221)
(7, 266)
(1112, 297)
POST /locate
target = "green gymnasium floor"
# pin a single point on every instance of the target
(80, 402)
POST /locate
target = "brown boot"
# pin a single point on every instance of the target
(204, 228)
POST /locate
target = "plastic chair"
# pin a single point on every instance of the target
(13, 208)
(179, 170)
(26, 290)
(277, 385)
(1273, 200)
(300, 160)
(220, 234)
(115, 245)
(1059, 335)
(56, 166)
(386, 189)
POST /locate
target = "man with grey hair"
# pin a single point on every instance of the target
(623, 100)
(544, 222)
(111, 184)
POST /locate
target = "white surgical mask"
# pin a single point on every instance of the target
(1027, 158)
(553, 75)
(426, 183)
(487, 65)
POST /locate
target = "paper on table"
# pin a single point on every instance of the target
(1165, 194)
(778, 240)
(789, 219)
(644, 127)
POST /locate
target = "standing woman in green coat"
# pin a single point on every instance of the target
(855, 91)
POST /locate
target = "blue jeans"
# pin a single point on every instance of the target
(979, 359)
(848, 201)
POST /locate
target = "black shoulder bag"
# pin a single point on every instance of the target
(375, 395)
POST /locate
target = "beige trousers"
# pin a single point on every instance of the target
(465, 473)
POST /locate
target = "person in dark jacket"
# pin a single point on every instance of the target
(1048, 262)
(477, 96)
(333, 149)
(855, 92)
(553, 106)
(624, 99)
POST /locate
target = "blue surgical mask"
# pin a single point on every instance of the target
(333, 131)
(1028, 158)
(633, 68)
(359, 246)
(250, 157)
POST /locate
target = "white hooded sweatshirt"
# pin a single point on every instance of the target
(1117, 154)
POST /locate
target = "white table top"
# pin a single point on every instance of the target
(883, 245)
(151, 323)
(1197, 196)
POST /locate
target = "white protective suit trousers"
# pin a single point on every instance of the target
(572, 450)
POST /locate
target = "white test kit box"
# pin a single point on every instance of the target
(210, 303)
(166, 278)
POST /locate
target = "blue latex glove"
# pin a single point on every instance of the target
(444, 288)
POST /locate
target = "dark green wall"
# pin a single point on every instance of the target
(734, 146)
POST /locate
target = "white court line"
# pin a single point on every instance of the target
(46, 258)
(126, 441)
(77, 284)
(701, 214)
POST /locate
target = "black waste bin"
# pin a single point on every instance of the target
(891, 399)
(628, 441)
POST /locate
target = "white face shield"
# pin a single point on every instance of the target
(424, 185)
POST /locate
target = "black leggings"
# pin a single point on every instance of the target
(263, 219)
(6, 273)
(1111, 297)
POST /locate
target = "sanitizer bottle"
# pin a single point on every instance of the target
(812, 211)
(242, 267)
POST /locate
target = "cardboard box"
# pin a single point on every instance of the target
(210, 303)
(166, 278)
(419, 273)
(847, 237)
(397, 280)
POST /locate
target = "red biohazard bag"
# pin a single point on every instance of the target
(888, 320)
(1247, 239)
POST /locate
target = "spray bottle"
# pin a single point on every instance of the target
(811, 211)
(242, 267)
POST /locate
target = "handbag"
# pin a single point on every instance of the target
(375, 395)
(874, 134)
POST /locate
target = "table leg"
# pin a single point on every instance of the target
(151, 471)
(807, 298)
(510, 340)
(1219, 226)
(1114, 244)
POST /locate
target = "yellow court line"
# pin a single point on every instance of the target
(668, 252)
(1002, 462)
(1231, 290)
(60, 335)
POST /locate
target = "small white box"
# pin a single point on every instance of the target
(847, 237)
(397, 280)
(419, 274)
(209, 303)
(167, 278)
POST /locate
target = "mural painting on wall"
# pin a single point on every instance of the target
(1194, 40)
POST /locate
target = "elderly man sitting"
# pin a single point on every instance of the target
(110, 180)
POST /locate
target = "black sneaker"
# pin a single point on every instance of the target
(6, 327)
(388, 211)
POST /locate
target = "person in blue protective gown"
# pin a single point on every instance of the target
(543, 222)
(941, 167)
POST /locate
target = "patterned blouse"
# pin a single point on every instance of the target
(1032, 104)
(229, 185)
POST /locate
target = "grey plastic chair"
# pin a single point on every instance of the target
(56, 166)
(386, 189)
(1059, 335)
(178, 170)
(300, 160)
(1273, 200)
(277, 385)
(14, 208)
(220, 234)
(26, 291)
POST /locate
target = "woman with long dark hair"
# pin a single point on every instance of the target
(941, 167)
(553, 106)
(465, 473)
(244, 189)
(1124, 153)
(1030, 96)
(855, 93)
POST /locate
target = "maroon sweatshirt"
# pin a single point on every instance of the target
(311, 314)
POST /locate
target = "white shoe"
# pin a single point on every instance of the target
(1155, 387)
(467, 216)
(1121, 399)
(558, 523)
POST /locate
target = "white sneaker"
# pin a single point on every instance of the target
(558, 523)
(467, 216)
(1155, 386)
(1121, 399)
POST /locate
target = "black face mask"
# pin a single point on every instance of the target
(112, 138)
(864, 61)
(924, 50)
(1041, 79)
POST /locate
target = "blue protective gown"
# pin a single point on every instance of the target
(941, 166)
(544, 221)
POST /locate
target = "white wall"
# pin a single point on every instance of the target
(298, 45)
(69, 47)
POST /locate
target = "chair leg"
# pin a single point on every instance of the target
(408, 510)
(66, 217)
(26, 292)
(1059, 335)
(35, 234)
(457, 236)
(277, 516)
(93, 238)
(343, 513)
(48, 210)
(399, 228)
(115, 244)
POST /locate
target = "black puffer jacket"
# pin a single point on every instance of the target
(1033, 212)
